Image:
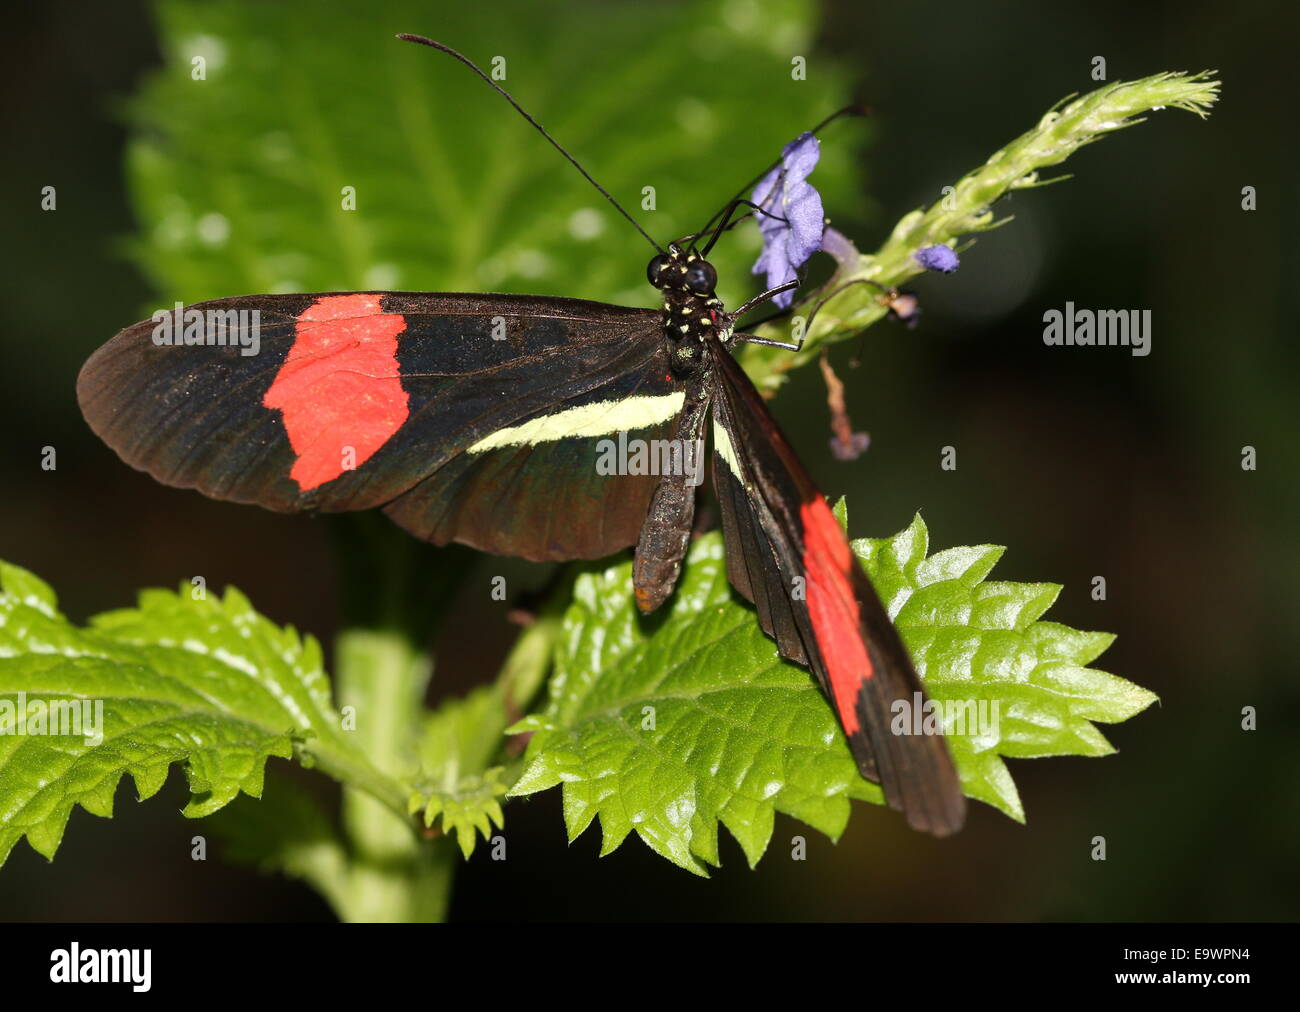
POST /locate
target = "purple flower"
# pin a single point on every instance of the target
(793, 225)
(937, 258)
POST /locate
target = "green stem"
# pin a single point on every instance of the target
(395, 876)
(393, 588)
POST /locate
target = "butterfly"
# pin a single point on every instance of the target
(479, 419)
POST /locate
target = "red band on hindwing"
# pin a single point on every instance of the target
(833, 608)
(339, 388)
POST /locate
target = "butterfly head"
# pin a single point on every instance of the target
(684, 271)
(691, 310)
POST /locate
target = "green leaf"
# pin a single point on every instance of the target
(456, 781)
(206, 683)
(672, 726)
(238, 178)
(977, 641)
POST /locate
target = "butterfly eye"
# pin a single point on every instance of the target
(655, 269)
(701, 278)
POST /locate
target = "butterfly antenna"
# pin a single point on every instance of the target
(536, 126)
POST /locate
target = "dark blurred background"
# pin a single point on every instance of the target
(1083, 461)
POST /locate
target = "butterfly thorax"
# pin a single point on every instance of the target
(691, 313)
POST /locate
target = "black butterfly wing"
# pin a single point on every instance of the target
(787, 554)
(473, 418)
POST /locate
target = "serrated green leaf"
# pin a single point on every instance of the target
(456, 782)
(967, 565)
(738, 735)
(207, 683)
(981, 641)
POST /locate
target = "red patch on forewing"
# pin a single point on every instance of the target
(833, 608)
(339, 389)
